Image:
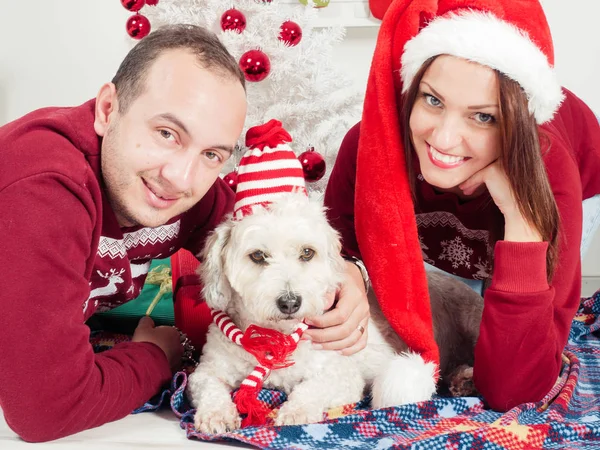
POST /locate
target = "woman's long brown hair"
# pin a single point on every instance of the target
(520, 156)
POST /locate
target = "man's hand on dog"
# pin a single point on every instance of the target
(167, 338)
(345, 327)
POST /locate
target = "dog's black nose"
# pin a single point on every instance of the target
(289, 303)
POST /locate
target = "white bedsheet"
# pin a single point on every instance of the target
(149, 430)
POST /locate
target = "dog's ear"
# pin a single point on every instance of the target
(334, 241)
(216, 289)
(334, 248)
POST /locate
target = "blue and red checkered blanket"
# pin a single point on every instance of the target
(568, 418)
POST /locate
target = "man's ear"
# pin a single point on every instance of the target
(216, 289)
(106, 104)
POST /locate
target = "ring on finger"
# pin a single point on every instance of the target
(361, 329)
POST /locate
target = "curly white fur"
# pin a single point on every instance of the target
(248, 292)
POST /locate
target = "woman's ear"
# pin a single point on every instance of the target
(216, 289)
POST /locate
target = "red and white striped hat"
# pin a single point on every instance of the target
(268, 169)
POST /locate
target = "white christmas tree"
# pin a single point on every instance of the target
(316, 102)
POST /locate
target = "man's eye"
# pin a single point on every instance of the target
(213, 157)
(307, 254)
(166, 134)
(258, 257)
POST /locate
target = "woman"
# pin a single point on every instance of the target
(463, 116)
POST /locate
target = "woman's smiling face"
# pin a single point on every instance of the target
(453, 122)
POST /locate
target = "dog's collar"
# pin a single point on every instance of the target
(271, 349)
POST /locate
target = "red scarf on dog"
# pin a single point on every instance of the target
(271, 349)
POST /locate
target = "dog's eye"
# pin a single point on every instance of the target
(258, 257)
(307, 254)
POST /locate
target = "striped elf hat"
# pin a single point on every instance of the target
(268, 169)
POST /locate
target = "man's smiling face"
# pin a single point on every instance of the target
(162, 155)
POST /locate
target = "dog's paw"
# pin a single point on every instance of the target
(460, 382)
(291, 414)
(217, 421)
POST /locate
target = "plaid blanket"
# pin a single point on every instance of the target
(568, 418)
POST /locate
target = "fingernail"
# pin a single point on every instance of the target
(317, 346)
(305, 337)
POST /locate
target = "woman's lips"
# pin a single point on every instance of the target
(443, 160)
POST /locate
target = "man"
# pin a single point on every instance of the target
(89, 195)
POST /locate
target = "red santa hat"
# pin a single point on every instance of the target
(510, 36)
(268, 169)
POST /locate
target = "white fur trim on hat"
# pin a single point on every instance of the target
(406, 378)
(485, 39)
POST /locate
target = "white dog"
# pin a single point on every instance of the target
(273, 268)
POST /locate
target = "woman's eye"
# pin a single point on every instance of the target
(431, 100)
(485, 118)
(307, 254)
(258, 257)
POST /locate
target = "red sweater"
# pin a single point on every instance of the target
(525, 322)
(66, 258)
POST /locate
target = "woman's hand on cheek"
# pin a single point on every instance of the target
(497, 183)
(344, 328)
(516, 227)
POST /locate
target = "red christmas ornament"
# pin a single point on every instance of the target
(233, 20)
(232, 180)
(290, 33)
(255, 65)
(133, 5)
(138, 26)
(151, 2)
(313, 165)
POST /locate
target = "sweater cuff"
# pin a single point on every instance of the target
(520, 267)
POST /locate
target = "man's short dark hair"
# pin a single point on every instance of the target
(212, 55)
